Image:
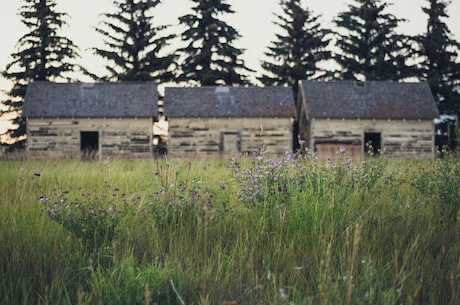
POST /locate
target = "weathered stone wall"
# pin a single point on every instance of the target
(60, 137)
(201, 137)
(398, 137)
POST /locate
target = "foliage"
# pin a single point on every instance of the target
(440, 183)
(439, 65)
(296, 53)
(134, 45)
(42, 55)
(268, 230)
(209, 57)
(91, 215)
(369, 47)
(280, 182)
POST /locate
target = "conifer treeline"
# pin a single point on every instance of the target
(363, 45)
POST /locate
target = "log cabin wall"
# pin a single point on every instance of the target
(398, 137)
(204, 137)
(62, 138)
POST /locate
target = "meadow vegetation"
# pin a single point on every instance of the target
(255, 229)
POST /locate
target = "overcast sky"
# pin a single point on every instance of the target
(253, 19)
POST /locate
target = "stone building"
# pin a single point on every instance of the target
(90, 120)
(377, 116)
(222, 121)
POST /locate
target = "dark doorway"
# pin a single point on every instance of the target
(89, 143)
(295, 137)
(372, 143)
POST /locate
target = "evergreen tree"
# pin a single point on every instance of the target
(134, 44)
(42, 54)
(369, 47)
(439, 53)
(295, 54)
(209, 58)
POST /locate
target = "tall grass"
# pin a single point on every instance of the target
(251, 230)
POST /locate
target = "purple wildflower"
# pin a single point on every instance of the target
(366, 296)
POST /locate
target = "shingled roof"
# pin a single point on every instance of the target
(221, 101)
(367, 100)
(104, 99)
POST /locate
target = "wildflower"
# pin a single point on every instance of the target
(298, 267)
(366, 296)
(220, 185)
(37, 174)
(342, 149)
(42, 199)
(283, 293)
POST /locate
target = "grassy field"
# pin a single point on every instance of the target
(251, 230)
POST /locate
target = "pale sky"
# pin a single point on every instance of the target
(253, 19)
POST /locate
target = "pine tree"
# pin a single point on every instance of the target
(369, 47)
(295, 55)
(42, 54)
(134, 44)
(439, 53)
(209, 58)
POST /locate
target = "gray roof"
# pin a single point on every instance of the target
(104, 99)
(367, 100)
(221, 101)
